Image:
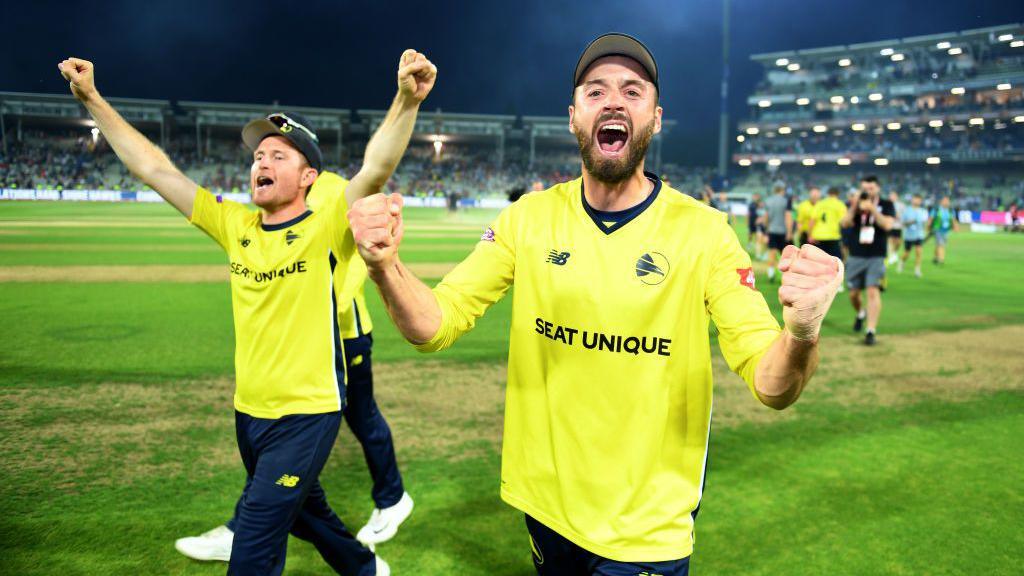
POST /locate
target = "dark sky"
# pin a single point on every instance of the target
(493, 57)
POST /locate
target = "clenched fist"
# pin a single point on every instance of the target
(376, 223)
(80, 74)
(810, 280)
(416, 75)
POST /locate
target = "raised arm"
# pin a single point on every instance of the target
(416, 76)
(378, 230)
(810, 280)
(143, 158)
(432, 319)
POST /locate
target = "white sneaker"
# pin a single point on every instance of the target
(383, 524)
(382, 567)
(917, 272)
(212, 545)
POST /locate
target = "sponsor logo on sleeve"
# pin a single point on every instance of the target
(746, 277)
(488, 235)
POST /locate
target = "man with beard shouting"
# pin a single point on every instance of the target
(608, 405)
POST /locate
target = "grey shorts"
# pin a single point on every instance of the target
(863, 272)
(941, 236)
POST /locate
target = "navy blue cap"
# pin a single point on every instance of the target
(293, 127)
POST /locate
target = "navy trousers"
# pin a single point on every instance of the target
(283, 459)
(554, 555)
(368, 424)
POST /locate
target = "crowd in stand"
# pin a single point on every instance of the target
(70, 161)
(968, 191)
(73, 161)
(1007, 137)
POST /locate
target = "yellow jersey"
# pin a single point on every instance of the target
(827, 214)
(288, 349)
(803, 215)
(608, 404)
(353, 315)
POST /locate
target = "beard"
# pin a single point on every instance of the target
(614, 171)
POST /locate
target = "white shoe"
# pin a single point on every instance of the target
(917, 272)
(212, 545)
(382, 567)
(383, 524)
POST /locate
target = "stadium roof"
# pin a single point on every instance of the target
(237, 115)
(440, 122)
(991, 33)
(65, 106)
(430, 125)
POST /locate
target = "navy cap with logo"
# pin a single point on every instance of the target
(290, 126)
(616, 44)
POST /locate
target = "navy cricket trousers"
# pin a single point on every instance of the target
(283, 459)
(554, 555)
(368, 424)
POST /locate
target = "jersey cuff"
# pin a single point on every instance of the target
(441, 339)
(202, 197)
(749, 371)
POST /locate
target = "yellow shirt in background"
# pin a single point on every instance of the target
(803, 216)
(827, 214)
(353, 315)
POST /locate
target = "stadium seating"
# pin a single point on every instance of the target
(947, 98)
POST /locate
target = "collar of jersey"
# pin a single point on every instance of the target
(620, 217)
(286, 224)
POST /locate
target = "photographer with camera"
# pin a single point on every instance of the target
(870, 218)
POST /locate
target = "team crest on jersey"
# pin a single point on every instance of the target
(290, 237)
(652, 268)
(746, 277)
(487, 236)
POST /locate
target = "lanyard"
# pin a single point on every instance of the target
(867, 219)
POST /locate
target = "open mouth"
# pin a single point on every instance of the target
(612, 137)
(263, 183)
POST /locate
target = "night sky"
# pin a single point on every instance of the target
(493, 57)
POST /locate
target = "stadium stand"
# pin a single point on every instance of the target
(49, 144)
(937, 115)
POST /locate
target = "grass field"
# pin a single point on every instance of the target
(116, 429)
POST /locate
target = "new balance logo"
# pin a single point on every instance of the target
(287, 481)
(245, 242)
(558, 258)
